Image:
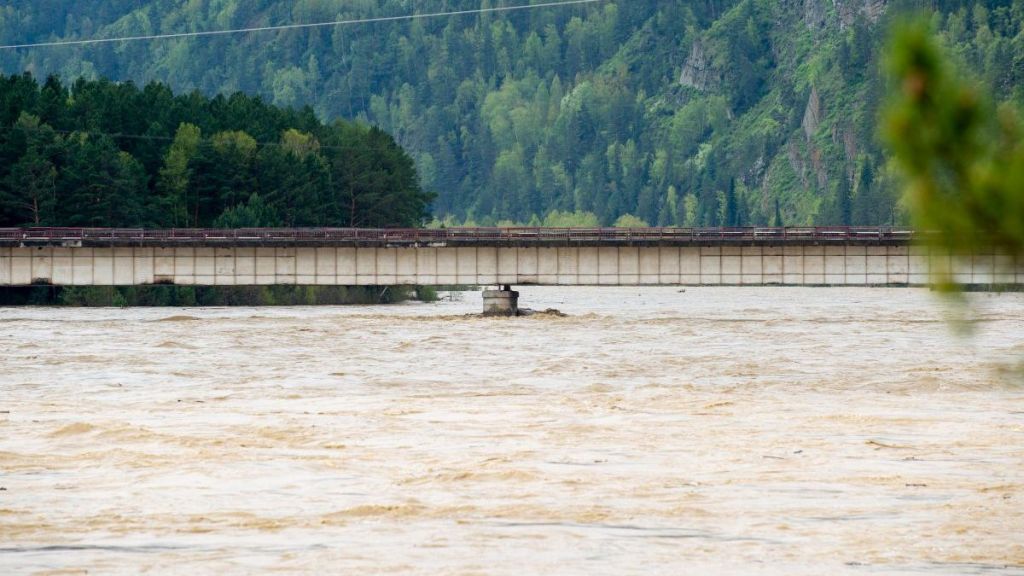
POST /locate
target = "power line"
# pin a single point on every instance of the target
(295, 26)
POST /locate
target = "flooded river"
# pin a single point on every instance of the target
(652, 431)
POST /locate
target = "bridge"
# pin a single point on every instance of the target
(504, 257)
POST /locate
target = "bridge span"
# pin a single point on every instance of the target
(806, 256)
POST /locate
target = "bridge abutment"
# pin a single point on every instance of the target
(501, 302)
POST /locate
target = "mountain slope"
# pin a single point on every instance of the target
(719, 112)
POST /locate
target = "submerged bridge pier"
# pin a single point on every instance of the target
(501, 302)
(502, 257)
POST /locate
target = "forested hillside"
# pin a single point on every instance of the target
(104, 154)
(708, 112)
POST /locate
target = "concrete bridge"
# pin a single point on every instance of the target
(839, 256)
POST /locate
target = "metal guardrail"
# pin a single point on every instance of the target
(414, 237)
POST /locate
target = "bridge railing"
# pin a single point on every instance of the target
(827, 234)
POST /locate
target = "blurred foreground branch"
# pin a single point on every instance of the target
(962, 156)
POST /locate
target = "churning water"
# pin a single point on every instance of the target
(653, 431)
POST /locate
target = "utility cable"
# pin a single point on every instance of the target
(150, 37)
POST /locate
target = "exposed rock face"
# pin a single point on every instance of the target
(849, 144)
(816, 14)
(698, 72)
(796, 162)
(848, 10)
(813, 114)
(813, 162)
(818, 166)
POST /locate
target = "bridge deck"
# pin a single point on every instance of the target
(480, 237)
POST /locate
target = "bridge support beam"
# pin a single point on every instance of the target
(501, 302)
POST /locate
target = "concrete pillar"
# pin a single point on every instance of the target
(503, 302)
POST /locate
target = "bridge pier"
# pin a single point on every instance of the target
(501, 302)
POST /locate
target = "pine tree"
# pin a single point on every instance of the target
(844, 208)
(30, 193)
(176, 174)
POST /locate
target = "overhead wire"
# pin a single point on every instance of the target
(258, 29)
(281, 27)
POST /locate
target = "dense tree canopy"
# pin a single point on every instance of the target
(99, 153)
(688, 113)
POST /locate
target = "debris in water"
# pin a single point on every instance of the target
(553, 312)
(878, 444)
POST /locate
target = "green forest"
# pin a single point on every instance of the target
(98, 153)
(660, 112)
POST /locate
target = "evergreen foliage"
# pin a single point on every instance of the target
(679, 113)
(99, 154)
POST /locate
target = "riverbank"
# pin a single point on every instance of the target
(169, 295)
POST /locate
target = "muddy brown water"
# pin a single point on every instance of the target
(652, 431)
